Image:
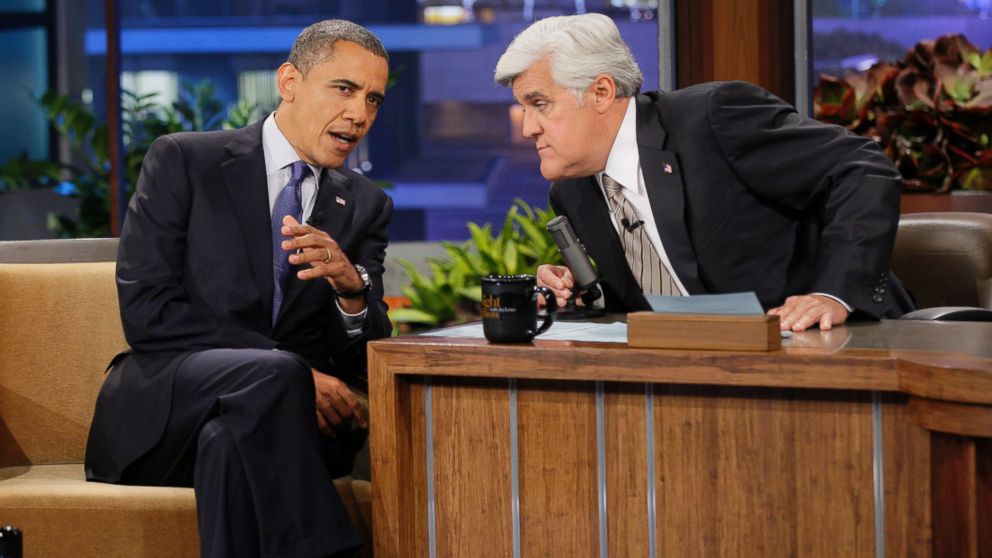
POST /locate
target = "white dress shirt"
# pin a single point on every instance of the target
(279, 156)
(624, 166)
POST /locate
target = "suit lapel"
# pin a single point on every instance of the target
(334, 204)
(603, 248)
(244, 178)
(666, 192)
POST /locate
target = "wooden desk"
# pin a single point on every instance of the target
(869, 440)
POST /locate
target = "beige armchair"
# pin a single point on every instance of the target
(59, 327)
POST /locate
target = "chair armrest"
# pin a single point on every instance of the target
(951, 314)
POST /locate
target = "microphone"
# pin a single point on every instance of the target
(631, 227)
(316, 218)
(583, 274)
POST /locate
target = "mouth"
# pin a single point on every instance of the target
(344, 140)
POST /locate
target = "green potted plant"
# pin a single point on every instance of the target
(144, 120)
(931, 112)
(451, 293)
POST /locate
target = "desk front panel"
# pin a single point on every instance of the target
(577, 468)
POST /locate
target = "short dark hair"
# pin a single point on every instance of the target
(316, 43)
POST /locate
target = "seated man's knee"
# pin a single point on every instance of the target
(213, 437)
(284, 369)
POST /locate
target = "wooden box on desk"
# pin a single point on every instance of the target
(729, 332)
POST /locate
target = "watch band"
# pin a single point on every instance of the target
(366, 285)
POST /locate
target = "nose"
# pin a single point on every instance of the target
(531, 128)
(357, 110)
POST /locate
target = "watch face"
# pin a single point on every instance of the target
(363, 274)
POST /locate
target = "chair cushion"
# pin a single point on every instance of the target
(61, 514)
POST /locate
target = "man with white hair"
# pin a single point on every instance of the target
(715, 188)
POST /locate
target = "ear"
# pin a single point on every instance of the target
(604, 92)
(288, 78)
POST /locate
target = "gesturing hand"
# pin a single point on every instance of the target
(326, 260)
(335, 404)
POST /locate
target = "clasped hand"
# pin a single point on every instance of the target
(335, 404)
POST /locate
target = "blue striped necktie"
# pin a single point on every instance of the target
(289, 202)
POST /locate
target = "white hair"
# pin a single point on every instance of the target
(580, 47)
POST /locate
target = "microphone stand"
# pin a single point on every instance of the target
(573, 311)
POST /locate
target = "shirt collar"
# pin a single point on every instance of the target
(624, 161)
(279, 154)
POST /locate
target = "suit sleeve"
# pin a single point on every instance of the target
(157, 312)
(348, 353)
(843, 180)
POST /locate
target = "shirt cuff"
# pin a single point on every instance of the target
(842, 303)
(353, 323)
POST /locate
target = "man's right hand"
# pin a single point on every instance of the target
(335, 404)
(558, 278)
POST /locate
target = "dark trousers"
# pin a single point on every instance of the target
(243, 433)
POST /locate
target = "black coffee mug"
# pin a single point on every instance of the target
(509, 308)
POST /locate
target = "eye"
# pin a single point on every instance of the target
(342, 88)
(375, 101)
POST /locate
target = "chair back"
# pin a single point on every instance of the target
(945, 259)
(60, 327)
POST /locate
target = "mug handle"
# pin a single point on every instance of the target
(551, 305)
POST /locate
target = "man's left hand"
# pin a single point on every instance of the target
(803, 311)
(336, 404)
(326, 259)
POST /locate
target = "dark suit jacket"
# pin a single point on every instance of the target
(194, 271)
(758, 199)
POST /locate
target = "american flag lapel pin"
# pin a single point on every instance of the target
(668, 168)
(340, 200)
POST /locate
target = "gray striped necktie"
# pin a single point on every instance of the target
(647, 267)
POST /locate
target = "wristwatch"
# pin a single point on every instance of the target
(366, 284)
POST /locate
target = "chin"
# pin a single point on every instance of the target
(551, 173)
(332, 162)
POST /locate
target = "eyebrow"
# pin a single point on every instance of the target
(533, 95)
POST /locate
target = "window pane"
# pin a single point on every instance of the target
(22, 6)
(851, 35)
(24, 58)
(911, 75)
(444, 141)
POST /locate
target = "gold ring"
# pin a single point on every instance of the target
(327, 259)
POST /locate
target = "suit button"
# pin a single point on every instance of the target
(877, 298)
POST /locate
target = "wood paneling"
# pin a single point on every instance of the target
(626, 466)
(906, 454)
(983, 495)
(558, 490)
(397, 447)
(776, 472)
(954, 510)
(761, 461)
(954, 418)
(750, 40)
(471, 429)
(561, 360)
